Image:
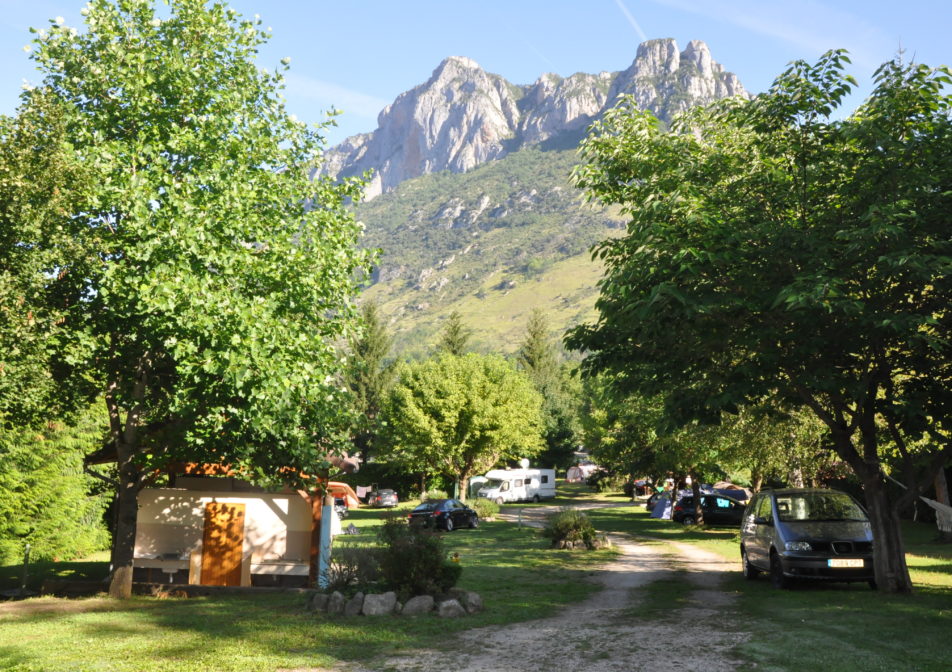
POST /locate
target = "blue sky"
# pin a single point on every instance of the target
(358, 55)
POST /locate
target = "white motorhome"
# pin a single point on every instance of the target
(518, 485)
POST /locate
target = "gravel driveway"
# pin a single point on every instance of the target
(601, 634)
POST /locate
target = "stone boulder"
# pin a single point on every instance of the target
(379, 605)
(318, 602)
(471, 602)
(336, 603)
(415, 606)
(450, 609)
(354, 605)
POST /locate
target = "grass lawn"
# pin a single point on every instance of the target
(518, 577)
(818, 626)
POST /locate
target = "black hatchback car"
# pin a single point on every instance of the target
(446, 514)
(717, 510)
(806, 534)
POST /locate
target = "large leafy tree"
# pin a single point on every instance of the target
(212, 278)
(776, 252)
(459, 415)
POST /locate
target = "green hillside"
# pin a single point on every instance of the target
(492, 243)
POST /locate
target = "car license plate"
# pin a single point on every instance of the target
(845, 562)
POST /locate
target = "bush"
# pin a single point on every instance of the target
(605, 481)
(434, 494)
(352, 566)
(413, 560)
(569, 526)
(484, 508)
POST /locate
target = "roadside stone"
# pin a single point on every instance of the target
(421, 604)
(472, 602)
(354, 605)
(450, 609)
(379, 605)
(318, 602)
(336, 603)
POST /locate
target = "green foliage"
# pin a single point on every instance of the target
(603, 480)
(459, 416)
(777, 254)
(353, 567)
(47, 499)
(433, 493)
(570, 526)
(484, 508)
(210, 279)
(369, 376)
(455, 336)
(414, 561)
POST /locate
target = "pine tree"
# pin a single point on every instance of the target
(370, 376)
(455, 336)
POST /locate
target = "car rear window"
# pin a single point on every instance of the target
(428, 506)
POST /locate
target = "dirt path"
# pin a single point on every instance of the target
(602, 634)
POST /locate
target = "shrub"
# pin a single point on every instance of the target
(569, 526)
(413, 560)
(605, 481)
(352, 566)
(435, 494)
(484, 508)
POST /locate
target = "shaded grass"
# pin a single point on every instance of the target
(93, 568)
(517, 576)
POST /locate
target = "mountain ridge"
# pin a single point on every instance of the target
(463, 116)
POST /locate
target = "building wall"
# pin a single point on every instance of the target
(170, 522)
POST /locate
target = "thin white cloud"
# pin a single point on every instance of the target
(807, 24)
(330, 95)
(631, 20)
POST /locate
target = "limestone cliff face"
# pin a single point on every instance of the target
(463, 116)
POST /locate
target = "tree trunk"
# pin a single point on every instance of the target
(123, 545)
(463, 487)
(889, 553)
(942, 496)
(698, 509)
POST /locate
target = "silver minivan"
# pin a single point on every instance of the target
(801, 533)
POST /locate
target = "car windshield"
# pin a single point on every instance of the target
(818, 506)
(493, 483)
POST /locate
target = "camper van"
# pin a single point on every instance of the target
(518, 485)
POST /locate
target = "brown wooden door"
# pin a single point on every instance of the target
(222, 544)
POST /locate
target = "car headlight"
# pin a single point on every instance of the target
(798, 546)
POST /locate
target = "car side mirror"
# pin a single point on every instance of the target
(760, 520)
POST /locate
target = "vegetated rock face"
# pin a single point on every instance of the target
(463, 116)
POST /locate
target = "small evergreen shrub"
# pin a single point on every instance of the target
(486, 509)
(352, 567)
(413, 560)
(571, 529)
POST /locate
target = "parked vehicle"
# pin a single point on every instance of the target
(717, 509)
(806, 534)
(446, 514)
(340, 506)
(383, 498)
(518, 485)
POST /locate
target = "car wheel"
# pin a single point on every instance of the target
(777, 578)
(872, 584)
(535, 498)
(750, 572)
(498, 500)
(474, 522)
(449, 524)
(688, 520)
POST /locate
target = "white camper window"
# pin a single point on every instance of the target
(545, 478)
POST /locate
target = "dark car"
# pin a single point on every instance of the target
(385, 498)
(801, 533)
(717, 509)
(445, 514)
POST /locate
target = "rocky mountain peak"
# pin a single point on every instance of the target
(463, 116)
